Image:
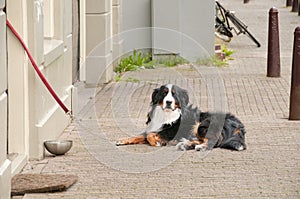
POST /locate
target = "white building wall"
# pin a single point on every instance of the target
(166, 33)
(28, 113)
(5, 164)
(17, 64)
(136, 23)
(3, 69)
(182, 27)
(197, 19)
(98, 41)
(34, 114)
(56, 64)
(187, 29)
(111, 28)
(116, 30)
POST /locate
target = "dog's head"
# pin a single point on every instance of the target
(168, 105)
(170, 97)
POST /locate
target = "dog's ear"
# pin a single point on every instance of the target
(184, 97)
(154, 98)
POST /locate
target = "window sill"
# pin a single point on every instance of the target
(53, 49)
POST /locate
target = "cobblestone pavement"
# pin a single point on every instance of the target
(269, 168)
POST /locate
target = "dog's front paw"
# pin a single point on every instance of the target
(201, 147)
(180, 146)
(238, 146)
(119, 143)
(183, 145)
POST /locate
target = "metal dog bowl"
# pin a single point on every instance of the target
(58, 147)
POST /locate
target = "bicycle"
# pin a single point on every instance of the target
(223, 29)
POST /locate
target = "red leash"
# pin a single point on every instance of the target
(36, 68)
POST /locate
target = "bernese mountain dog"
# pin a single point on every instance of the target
(172, 121)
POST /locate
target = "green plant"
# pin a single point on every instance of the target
(212, 61)
(216, 61)
(132, 79)
(118, 78)
(134, 62)
(149, 65)
(170, 61)
(226, 51)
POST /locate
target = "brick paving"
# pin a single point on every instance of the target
(269, 168)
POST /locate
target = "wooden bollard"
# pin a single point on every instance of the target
(295, 86)
(289, 3)
(273, 61)
(295, 6)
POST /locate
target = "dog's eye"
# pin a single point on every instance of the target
(166, 90)
(173, 92)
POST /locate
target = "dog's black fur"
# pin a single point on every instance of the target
(172, 121)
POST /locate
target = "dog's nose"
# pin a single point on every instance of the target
(169, 103)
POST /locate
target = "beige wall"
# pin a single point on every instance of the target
(183, 27)
(34, 116)
(97, 41)
(5, 164)
(100, 43)
(75, 41)
(136, 24)
(116, 30)
(16, 87)
(187, 30)
(28, 113)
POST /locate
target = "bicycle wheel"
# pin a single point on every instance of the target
(242, 27)
(222, 37)
(222, 31)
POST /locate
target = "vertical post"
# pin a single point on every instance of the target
(273, 61)
(289, 3)
(295, 86)
(246, 1)
(295, 6)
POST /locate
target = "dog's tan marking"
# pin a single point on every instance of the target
(140, 139)
(195, 128)
(237, 131)
(193, 143)
(153, 139)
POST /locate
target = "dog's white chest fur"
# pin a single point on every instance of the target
(160, 117)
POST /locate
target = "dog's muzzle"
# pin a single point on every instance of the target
(168, 106)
